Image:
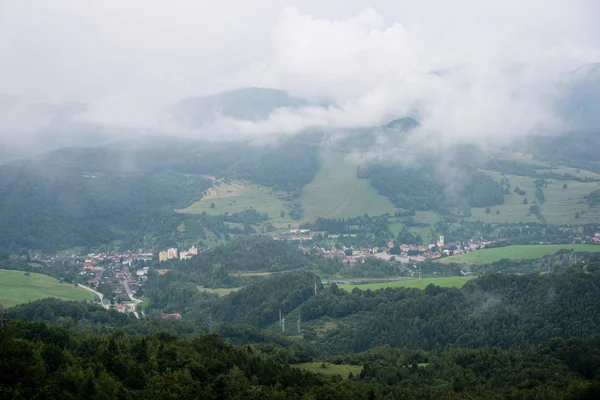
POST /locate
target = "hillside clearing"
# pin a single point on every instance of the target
(237, 196)
(445, 281)
(219, 291)
(560, 205)
(519, 252)
(17, 288)
(343, 370)
(336, 191)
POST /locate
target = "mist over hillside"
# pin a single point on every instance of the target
(251, 104)
(351, 199)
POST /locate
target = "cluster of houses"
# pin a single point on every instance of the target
(404, 253)
(595, 239)
(117, 276)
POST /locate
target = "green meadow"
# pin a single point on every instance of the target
(336, 191)
(238, 196)
(219, 291)
(330, 369)
(17, 288)
(519, 252)
(450, 281)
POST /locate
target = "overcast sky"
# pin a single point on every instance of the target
(497, 63)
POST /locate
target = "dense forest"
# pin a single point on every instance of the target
(496, 309)
(229, 265)
(500, 336)
(425, 188)
(39, 361)
(128, 192)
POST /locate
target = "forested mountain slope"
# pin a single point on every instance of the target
(92, 196)
(493, 310)
(38, 361)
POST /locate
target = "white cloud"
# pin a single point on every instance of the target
(496, 84)
(501, 60)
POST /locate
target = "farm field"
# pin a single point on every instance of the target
(220, 291)
(519, 252)
(513, 209)
(238, 196)
(331, 369)
(562, 204)
(580, 173)
(336, 191)
(16, 288)
(443, 281)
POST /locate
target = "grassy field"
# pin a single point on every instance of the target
(331, 369)
(543, 166)
(450, 281)
(16, 288)
(513, 209)
(562, 204)
(250, 273)
(220, 291)
(520, 252)
(237, 196)
(337, 192)
(559, 207)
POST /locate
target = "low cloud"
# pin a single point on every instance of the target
(485, 73)
(496, 87)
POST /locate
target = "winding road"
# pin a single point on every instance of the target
(100, 295)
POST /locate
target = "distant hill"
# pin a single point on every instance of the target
(581, 98)
(28, 129)
(252, 104)
(129, 191)
(402, 124)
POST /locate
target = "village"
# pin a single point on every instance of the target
(403, 253)
(115, 278)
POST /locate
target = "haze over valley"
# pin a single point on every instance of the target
(357, 199)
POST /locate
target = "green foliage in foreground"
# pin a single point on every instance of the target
(447, 281)
(18, 287)
(519, 252)
(44, 362)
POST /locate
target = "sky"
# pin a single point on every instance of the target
(478, 71)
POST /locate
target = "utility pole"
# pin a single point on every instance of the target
(283, 325)
(298, 324)
(315, 288)
(280, 317)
